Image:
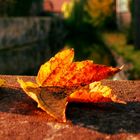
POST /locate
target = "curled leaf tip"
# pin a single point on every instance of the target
(57, 78)
(121, 67)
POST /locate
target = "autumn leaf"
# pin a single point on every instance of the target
(60, 81)
(85, 72)
(51, 71)
(2, 81)
(94, 93)
(27, 86)
(52, 100)
(76, 73)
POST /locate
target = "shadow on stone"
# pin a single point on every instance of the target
(109, 118)
(15, 101)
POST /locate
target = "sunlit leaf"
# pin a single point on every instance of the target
(79, 73)
(26, 86)
(94, 93)
(52, 100)
(51, 71)
(85, 72)
(60, 81)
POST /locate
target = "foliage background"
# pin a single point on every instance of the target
(93, 12)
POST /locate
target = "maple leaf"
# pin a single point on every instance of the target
(52, 100)
(71, 74)
(60, 81)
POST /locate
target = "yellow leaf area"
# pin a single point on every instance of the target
(99, 9)
(60, 80)
(2, 81)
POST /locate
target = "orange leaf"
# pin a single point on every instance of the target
(93, 93)
(79, 73)
(51, 71)
(60, 81)
(52, 100)
(85, 72)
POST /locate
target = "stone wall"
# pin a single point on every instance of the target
(26, 43)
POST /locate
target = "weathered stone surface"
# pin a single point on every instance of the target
(21, 119)
(25, 43)
(18, 31)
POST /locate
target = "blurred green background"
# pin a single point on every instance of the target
(97, 29)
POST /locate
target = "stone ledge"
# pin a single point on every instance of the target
(21, 119)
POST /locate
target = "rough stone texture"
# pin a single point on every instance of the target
(22, 30)
(25, 43)
(21, 119)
